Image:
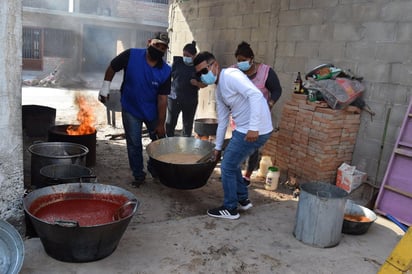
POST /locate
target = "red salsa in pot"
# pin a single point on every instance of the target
(84, 208)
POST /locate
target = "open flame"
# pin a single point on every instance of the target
(85, 116)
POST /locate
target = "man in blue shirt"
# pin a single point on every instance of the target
(144, 90)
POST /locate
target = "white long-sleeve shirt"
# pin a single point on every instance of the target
(237, 95)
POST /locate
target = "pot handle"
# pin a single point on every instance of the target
(87, 179)
(119, 213)
(66, 223)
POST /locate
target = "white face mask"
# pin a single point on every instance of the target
(188, 60)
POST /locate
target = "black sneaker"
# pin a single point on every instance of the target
(246, 181)
(138, 182)
(245, 204)
(222, 212)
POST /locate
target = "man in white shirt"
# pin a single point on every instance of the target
(237, 96)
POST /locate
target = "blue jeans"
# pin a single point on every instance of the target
(133, 132)
(234, 155)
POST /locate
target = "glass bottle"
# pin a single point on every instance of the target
(297, 85)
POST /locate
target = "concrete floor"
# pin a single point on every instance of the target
(261, 241)
(172, 234)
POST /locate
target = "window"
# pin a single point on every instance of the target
(32, 48)
(58, 43)
(62, 5)
(32, 43)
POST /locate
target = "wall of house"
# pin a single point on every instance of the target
(98, 27)
(371, 38)
(11, 145)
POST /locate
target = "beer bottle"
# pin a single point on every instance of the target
(297, 87)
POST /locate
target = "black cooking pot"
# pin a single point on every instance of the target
(67, 240)
(65, 173)
(357, 219)
(181, 176)
(206, 126)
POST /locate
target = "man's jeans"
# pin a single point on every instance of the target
(133, 131)
(234, 155)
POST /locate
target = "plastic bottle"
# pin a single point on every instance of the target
(264, 165)
(272, 178)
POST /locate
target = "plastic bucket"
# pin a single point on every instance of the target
(319, 215)
(65, 173)
(49, 153)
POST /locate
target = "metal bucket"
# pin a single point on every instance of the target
(59, 134)
(319, 215)
(48, 153)
(65, 173)
(37, 120)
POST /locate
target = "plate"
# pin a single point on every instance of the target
(11, 249)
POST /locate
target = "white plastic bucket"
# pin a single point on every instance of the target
(319, 215)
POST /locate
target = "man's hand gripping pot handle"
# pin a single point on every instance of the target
(104, 91)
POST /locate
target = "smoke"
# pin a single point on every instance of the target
(81, 43)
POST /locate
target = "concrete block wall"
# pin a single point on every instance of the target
(143, 12)
(371, 38)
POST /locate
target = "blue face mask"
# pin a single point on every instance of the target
(209, 78)
(188, 60)
(244, 65)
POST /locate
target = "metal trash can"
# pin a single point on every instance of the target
(37, 120)
(49, 153)
(320, 213)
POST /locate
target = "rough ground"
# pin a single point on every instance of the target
(171, 234)
(158, 203)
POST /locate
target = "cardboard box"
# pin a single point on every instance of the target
(349, 178)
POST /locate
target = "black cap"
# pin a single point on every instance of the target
(161, 37)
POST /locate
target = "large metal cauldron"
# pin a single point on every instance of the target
(181, 176)
(66, 241)
(65, 173)
(48, 153)
(59, 134)
(37, 120)
(206, 126)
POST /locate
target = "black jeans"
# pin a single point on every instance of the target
(253, 160)
(188, 109)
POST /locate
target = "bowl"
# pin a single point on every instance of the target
(167, 157)
(357, 219)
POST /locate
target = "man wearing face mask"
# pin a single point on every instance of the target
(184, 93)
(144, 90)
(237, 96)
(266, 80)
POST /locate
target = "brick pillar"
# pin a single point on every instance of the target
(313, 140)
